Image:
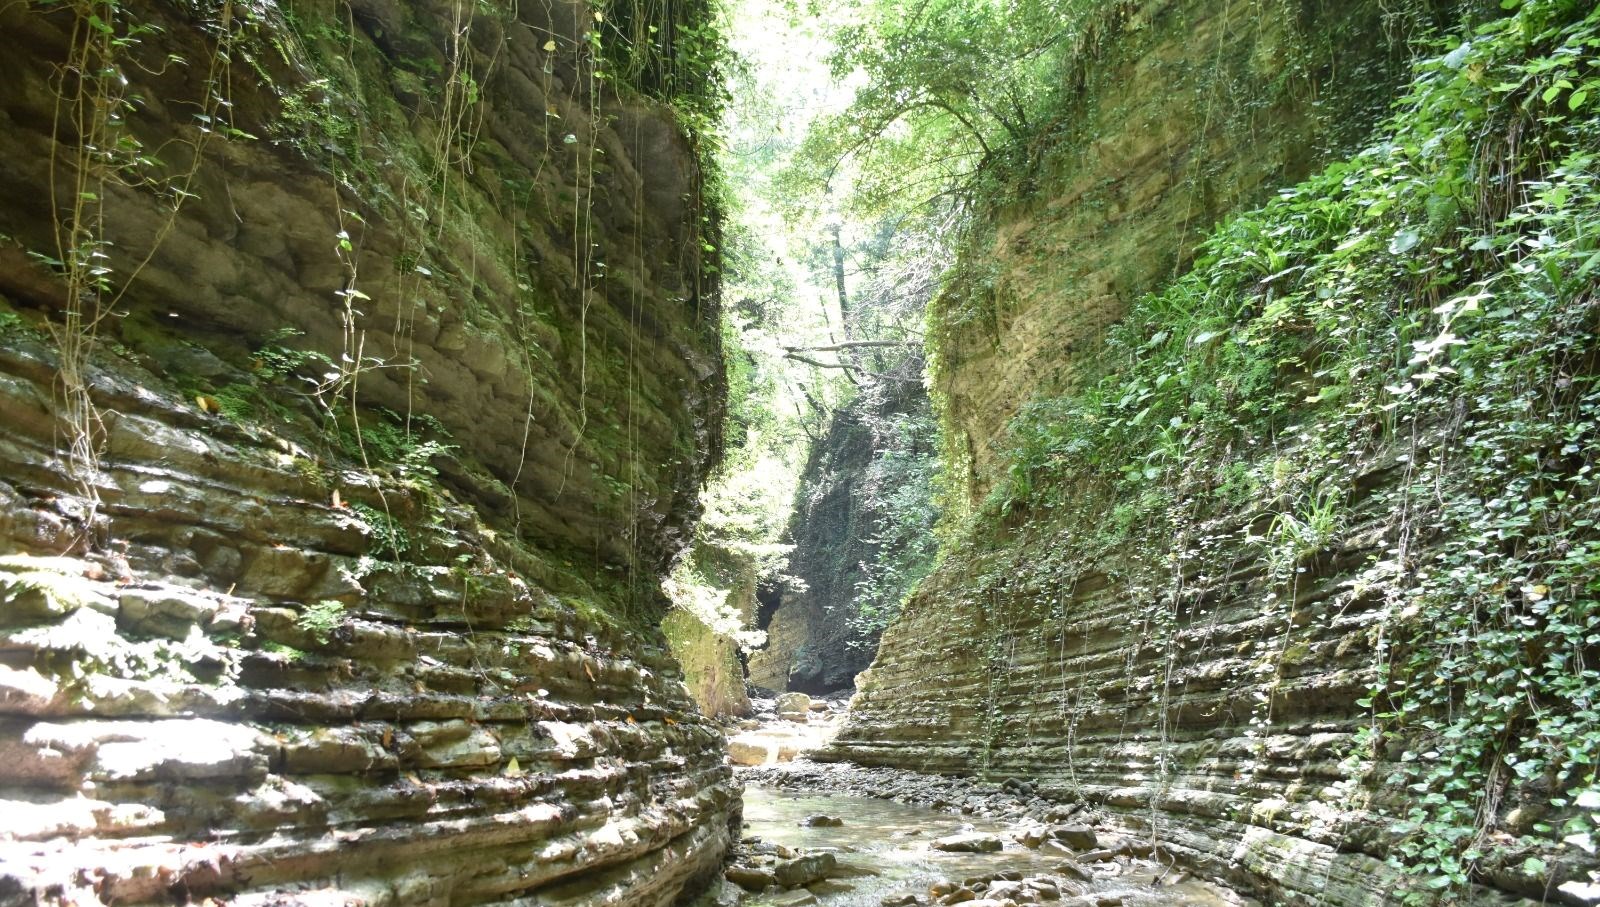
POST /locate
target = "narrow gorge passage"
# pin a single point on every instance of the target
(862, 453)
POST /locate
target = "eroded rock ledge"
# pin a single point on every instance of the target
(273, 648)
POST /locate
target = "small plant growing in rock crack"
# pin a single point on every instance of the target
(322, 619)
(388, 536)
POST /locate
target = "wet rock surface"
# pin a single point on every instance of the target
(783, 729)
(887, 852)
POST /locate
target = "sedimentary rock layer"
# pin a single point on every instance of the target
(1184, 110)
(1201, 688)
(347, 606)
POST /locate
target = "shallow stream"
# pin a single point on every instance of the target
(883, 847)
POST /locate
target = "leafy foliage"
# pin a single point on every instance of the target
(1426, 311)
(945, 88)
(898, 497)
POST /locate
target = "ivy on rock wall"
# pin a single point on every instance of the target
(1426, 309)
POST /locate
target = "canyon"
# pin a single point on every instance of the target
(366, 368)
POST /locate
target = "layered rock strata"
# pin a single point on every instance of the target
(1201, 689)
(1183, 111)
(401, 375)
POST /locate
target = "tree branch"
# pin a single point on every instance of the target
(847, 367)
(849, 345)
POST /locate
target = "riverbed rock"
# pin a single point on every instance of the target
(1032, 836)
(804, 870)
(899, 899)
(794, 707)
(797, 898)
(1077, 837)
(750, 878)
(821, 821)
(968, 842)
(1004, 890)
(1044, 889)
(1074, 870)
(770, 746)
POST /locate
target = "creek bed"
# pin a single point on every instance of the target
(882, 848)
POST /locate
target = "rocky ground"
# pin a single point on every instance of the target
(1013, 798)
(784, 726)
(1068, 855)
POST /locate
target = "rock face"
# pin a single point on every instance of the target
(711, 665)
(1188, 108)
(1178, 679)
(813, 643)
(395, 422)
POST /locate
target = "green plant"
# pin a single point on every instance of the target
(388, 536)
(96, 149)
(322, 619)
(1404, 341)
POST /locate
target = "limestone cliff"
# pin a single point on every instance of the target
(1233, 571)
(1185, 110)
(818, 639)
(358, 370)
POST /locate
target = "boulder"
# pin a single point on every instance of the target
(970, 842)
(804, 870)
(898, 899)
(794, 706)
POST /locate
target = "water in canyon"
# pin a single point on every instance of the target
(883, 849)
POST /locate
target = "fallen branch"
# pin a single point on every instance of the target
(847, 367)
(851, 345)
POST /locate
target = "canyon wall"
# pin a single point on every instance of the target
(358, 372)
(817, 639)
(1184, 111)
(1242, 626)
